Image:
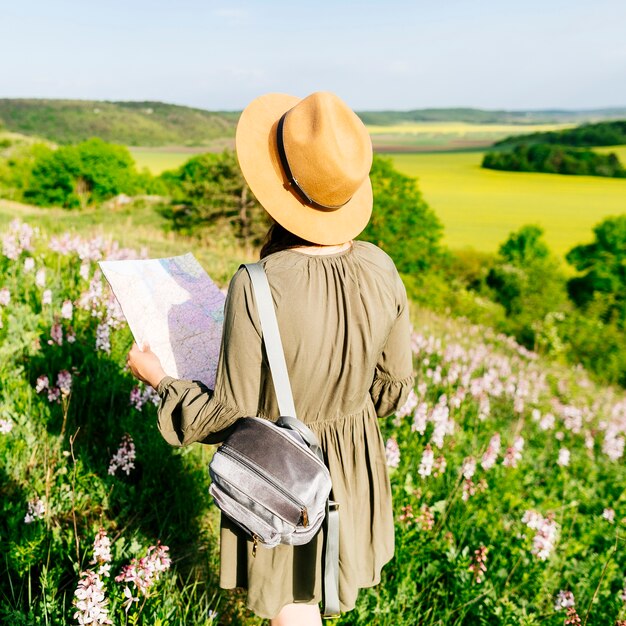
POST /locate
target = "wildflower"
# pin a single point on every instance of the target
(56, 332)
(392, 452)
(54, 393)
(103, 338)
(469, 489)
(42, 384)
(138, 397)
(90, 600)
(613, 445)
(608, 515)
(144, 572)
(426, 464)
(29, 264)
(546, 531)
(70, 336)
(40, 277)
(469, 467)
(46, 298)
(564, 455)
(130, 599)
(478, 565)
(407, 514)
(564, 600)
(408, 406)
(425, 520)
(84, 270)
(622, 594)
(102, 553)
(67, 310)
(124, 458)
(36, 509)
(64, 382)
(6, 426)
(572, 618)
(5, 296)
(514, 453)
(491, 454)
(420, 417)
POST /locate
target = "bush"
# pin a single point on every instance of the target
(209, 192)
(402, 224)
(83, 174)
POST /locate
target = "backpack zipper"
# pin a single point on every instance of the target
(242, 460)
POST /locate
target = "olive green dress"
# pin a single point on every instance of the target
(345, 328)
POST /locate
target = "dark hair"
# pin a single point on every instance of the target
(279, 238)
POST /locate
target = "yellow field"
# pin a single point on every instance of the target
(480, 207)
(619, 150)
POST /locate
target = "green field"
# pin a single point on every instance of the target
(480, 207)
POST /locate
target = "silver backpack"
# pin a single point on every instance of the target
(269, 478)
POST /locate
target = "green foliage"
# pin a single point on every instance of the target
(402, 223)
(131, 123)
(555, 159)
(82, 174)
(16, 169)
(600, 134)
(604, 265)
(527, 281)
(209, 194)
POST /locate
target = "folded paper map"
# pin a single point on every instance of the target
(174, 306)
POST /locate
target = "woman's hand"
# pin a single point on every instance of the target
(145, 365)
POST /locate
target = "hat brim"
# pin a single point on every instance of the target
(260, 164)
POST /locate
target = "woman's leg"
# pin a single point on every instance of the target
(298, 615)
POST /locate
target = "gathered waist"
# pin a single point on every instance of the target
(366, 410)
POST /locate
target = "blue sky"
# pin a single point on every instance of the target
(390, 54)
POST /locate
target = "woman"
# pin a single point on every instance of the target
(344, 322)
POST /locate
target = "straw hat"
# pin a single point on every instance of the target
(307, 161)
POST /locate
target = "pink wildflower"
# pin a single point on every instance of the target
(6, 426)
(54, 393)
(144, 572)
(408, 406)
(572, 618)
(36, 509)
(491, 454)
(90, 600)
(124, 458)
(56, 332)
(5, 296)
(426, 464)
(407, 514)
(103, 338)
(546, 532)
(42, 384)
(29, 264)
(514, 453)
(564, 456)
(392, 452)
(64, 382)
(420, 417)
(426, 519)
(609, 515)
(478, 565)
(40, 277)
(564, 600)
(67, 310)
(469, 467)
(102, 553)
(46, 298)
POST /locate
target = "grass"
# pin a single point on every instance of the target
(480, 207)
(135, 226)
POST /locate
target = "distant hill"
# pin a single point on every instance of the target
(132, 123)
(160, 124)
(482, 116)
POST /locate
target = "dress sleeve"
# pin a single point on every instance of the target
(189, 411)
(393, 377)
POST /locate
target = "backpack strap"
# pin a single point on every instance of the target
(288, 418)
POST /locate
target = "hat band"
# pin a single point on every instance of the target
(293, 183)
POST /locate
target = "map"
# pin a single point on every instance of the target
(174, 306)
